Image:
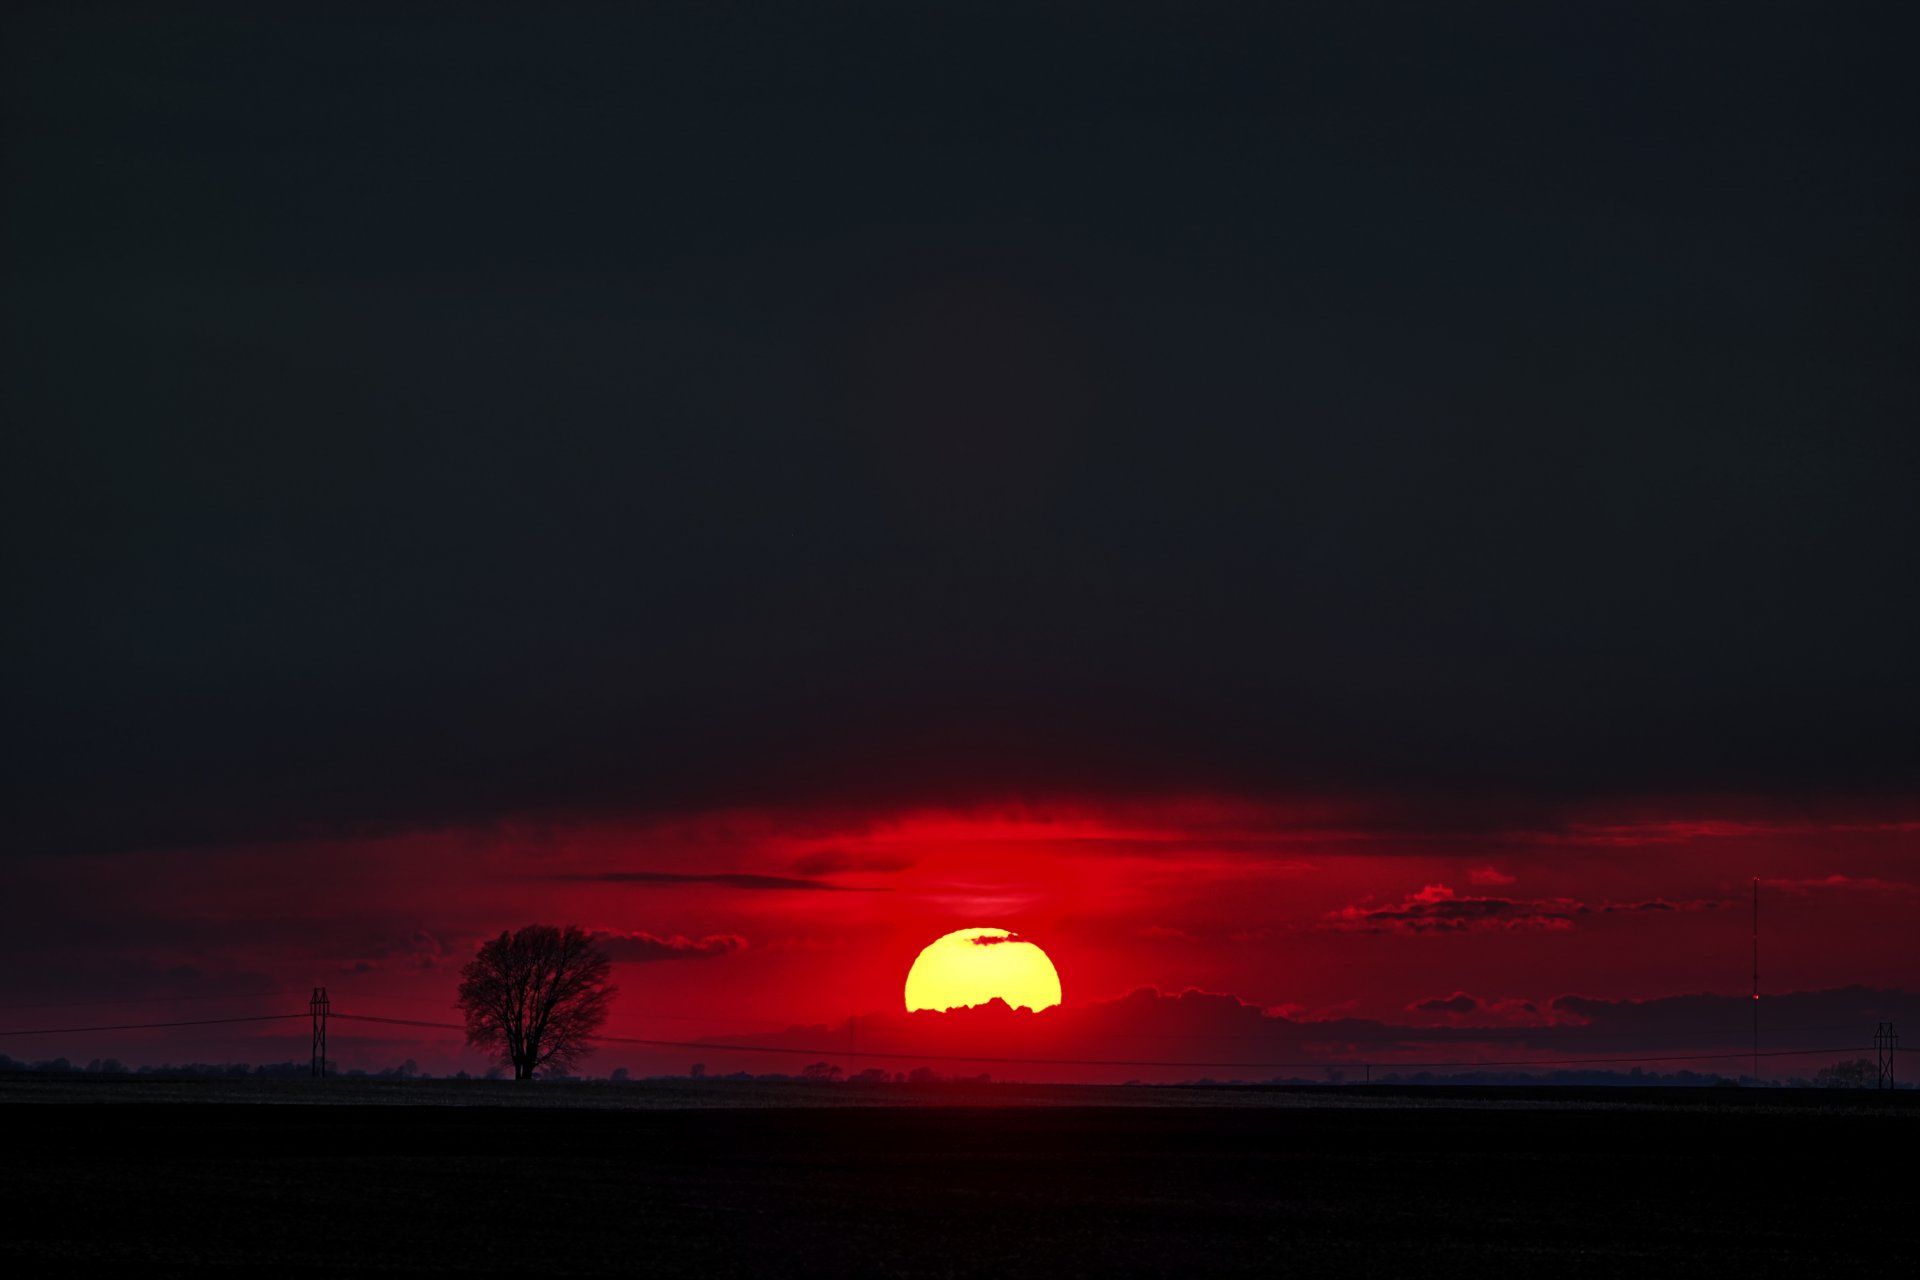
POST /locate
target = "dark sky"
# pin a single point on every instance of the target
(416, 421)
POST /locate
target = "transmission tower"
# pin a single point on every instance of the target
(1885, 1041)
(318, 1007)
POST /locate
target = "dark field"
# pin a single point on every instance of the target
(171, 1178)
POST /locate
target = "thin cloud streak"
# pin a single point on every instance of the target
(631, 947)
(728, 880)
(1438, 909)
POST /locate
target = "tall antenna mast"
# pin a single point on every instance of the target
(1756, 980)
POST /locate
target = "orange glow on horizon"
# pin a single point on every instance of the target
(973, 966)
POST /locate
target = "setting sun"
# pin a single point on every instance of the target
(972, 966)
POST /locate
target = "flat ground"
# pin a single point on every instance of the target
(998, 1180)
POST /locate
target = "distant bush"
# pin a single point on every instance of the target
(1859, 1073)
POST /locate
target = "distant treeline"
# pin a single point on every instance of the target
(407, 1070)
(1859, 1073)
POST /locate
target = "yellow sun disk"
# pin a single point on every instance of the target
(955, 970)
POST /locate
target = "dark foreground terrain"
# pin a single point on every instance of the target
(1270, 1183)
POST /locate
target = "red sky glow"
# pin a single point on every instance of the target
(729, 926)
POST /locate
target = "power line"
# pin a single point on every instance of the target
(988, 1060)
(626, 1012)
(401, 1022)
(143, 1026)
(710, 1047)
(83, 1004)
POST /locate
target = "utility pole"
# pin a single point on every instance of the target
(318, 1007)
(1756, 980)
(1885, 1041)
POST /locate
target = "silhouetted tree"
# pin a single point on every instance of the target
(536, 997)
